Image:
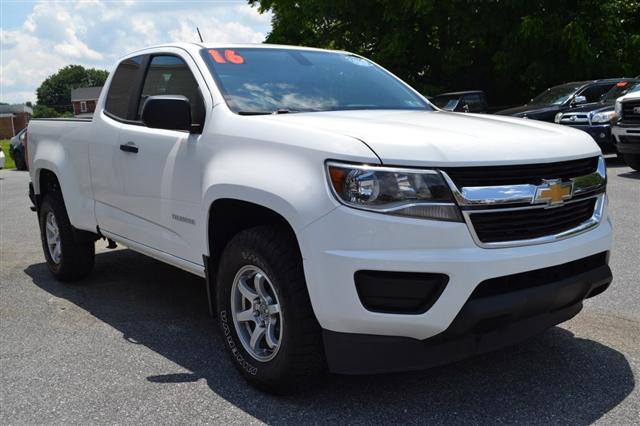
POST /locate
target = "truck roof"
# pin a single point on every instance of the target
(194, 46)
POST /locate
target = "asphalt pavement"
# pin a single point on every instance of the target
(134, 344)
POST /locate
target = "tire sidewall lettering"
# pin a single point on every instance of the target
(236, 353)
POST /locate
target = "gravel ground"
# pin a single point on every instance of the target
(135, 344)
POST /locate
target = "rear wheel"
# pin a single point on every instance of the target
(18, 159)
(632, 160)
(67, 259)
(264, 310)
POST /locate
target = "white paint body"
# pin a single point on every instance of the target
(626, 130)
(277, 161)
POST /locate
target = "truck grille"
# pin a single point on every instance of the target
(628, 115)
(574, 118)
(520, 174)
(523, 224)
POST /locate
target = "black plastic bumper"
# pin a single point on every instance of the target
(629, 144)
(485, 323)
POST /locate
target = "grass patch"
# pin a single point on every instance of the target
(8, 161)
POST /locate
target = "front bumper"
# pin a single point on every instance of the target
(348, 240)
(601, 134)
(627, 139)
(486, 322)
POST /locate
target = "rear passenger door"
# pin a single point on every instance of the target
(162, 179)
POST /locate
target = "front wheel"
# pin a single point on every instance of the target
(67, 259)
(632, 160)
(264, 311)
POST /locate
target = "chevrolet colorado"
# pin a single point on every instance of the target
(339, 219)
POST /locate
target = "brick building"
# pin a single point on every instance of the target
(84, 100)
(13, 118)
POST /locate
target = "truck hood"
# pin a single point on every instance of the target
(531, 111)
(438, 138)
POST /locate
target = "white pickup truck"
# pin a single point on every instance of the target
(626, 130)
(341, 221)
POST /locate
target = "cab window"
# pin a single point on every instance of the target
(170, 75)
(475, 102)
(594, 93)
(122, 86)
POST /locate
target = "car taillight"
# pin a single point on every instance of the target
(26, 149)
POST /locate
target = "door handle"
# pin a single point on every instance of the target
(129, 147)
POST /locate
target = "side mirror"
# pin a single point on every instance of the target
(171, 112)
(579, 100)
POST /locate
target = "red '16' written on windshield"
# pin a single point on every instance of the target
(229, 56)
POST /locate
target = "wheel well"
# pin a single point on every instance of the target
(227, 217)
(48, 183)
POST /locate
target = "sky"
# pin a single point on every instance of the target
(39, 37)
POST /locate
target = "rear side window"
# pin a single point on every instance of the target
(170, 75)
(122, 86)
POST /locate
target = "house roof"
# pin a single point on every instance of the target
(15, 108)
(85, 93)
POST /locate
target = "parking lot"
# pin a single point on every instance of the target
(134, 344)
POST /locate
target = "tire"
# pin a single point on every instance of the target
(632, 160)
(19, 161)
(75, 259)
(299, 356)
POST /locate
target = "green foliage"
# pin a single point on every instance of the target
(55, 91)
(43, 111)
(513, 49)
(8, 160)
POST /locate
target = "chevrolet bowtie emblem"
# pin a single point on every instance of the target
(554, 192)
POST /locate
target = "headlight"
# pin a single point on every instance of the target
(603, 117)
(557, 117)
(397, 191)
(618, 108)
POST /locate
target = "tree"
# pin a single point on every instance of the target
(55, 91)
(43, 111)
(510, 48)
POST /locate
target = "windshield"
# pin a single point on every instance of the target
(262, 81)
(620, 89)
(555, 96)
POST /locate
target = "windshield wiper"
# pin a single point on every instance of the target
(255, 112)
(275, 112)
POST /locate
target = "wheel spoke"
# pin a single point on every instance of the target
(258, 283)
(256, 335)
(270, 335)
(245, 315)
(50, 228)
(56, 251)
(274, 309)
(246, 291)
